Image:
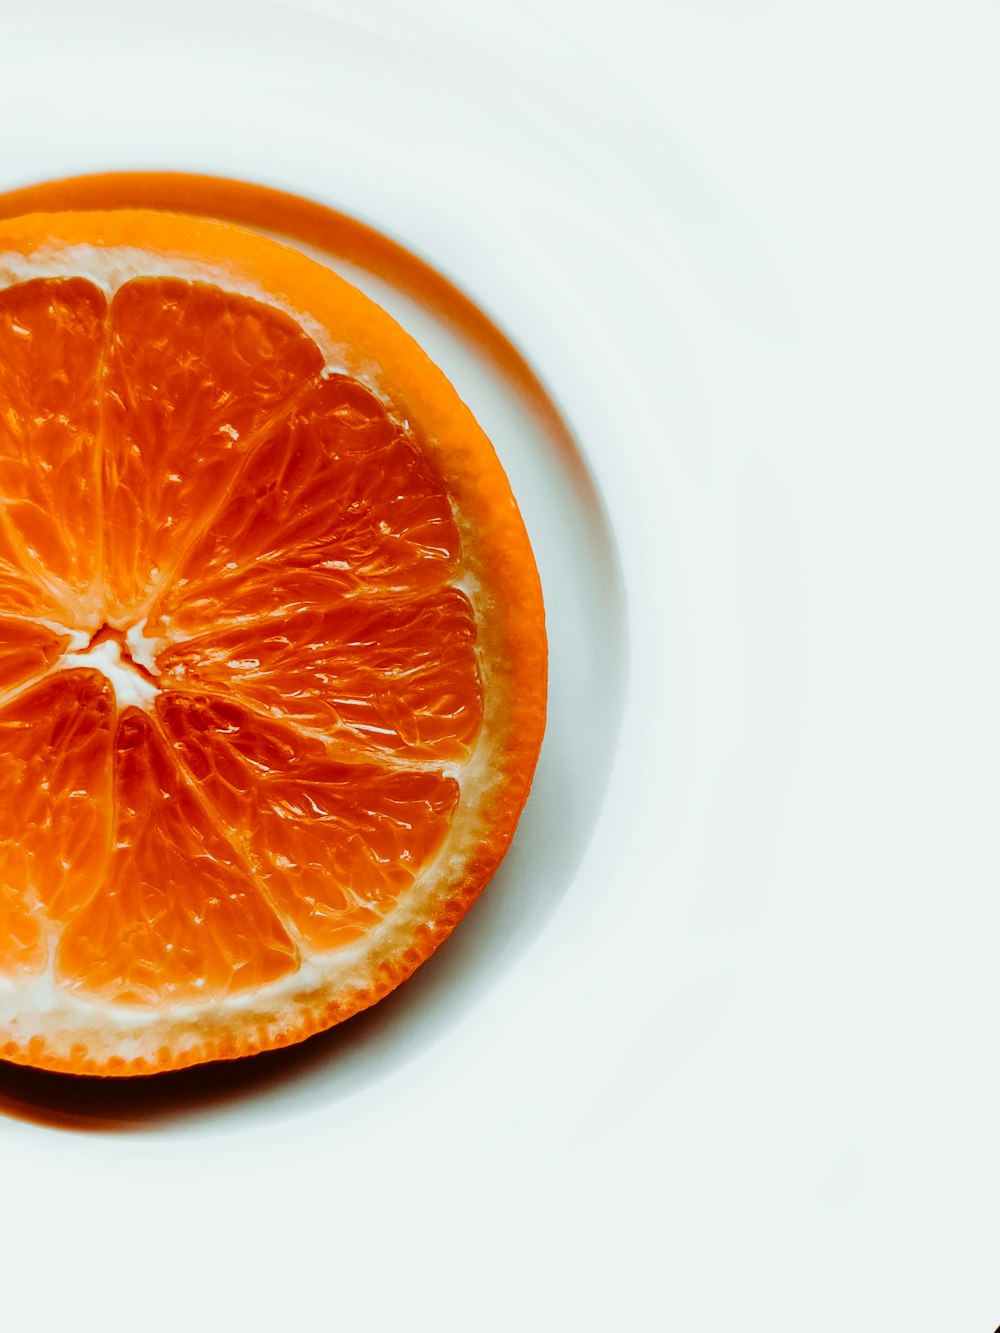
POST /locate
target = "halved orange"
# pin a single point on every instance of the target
(272, 649)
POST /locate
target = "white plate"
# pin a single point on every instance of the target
(473, 1131)
(390, 124)
(716, 1050)
(578, 565)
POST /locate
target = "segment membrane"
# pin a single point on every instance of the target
(27, 650)
(397, 676)
(52, 340)
(55, 795)
(335, 501)
(179, 917)
(334, 843)
(194, 373)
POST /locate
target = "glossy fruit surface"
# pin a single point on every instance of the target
(272, 651)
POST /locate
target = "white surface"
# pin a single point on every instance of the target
(132, 690)
(742, 1074)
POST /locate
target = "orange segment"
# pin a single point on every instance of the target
(25, 590)
(337, 500)
(398, 676)
(180, 916)
(52, 337)
(194, 374)
(55, 790)
(27, 650)
(334, 843)
(21, 593)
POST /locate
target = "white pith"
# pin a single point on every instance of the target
(41, 1005)
(131, 689)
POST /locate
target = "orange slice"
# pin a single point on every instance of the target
(272, 650)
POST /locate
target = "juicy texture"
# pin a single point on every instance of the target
(194, 375)
(178, 472)
(52, 350)
(55, 773)
(333, 842)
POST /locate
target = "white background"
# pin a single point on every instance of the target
(741, 1071)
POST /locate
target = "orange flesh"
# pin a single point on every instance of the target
(176, 463)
